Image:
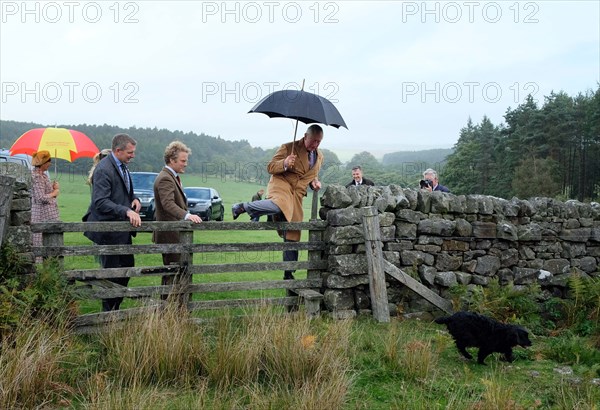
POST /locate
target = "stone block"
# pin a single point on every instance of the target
(410, 258)
(339, 300)
(441, 227)
(446, 279)
(555, 266)
(454, 245)
(487, 265)
(506, 231)
(336, 196)
(445, 262)
(345, 265)
(484, 230)
(344, 216)
(345, 282)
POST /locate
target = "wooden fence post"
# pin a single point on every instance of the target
(184, 277)
(373, 244)
(54, 239)
(314, 206)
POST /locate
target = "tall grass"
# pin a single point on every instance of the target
(282, 359)
(161, 347)
(31, 366)
(409, 354)
(263, 360)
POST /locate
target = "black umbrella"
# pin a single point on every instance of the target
(300, 106)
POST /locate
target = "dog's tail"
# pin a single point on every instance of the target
(442, 320)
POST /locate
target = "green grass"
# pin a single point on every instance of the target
(74, 201)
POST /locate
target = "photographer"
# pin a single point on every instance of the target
(430, 182)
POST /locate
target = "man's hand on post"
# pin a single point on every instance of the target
(134, 218)
(194, 218)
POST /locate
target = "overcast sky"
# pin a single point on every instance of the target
(404, 75)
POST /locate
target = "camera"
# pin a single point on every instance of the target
(424, 183)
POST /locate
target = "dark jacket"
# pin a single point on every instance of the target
(441, 188)
(110, 202)
(365, 181)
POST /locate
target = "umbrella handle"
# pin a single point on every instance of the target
(294, 141)
(296, 129)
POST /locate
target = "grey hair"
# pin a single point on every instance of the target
(430, 171)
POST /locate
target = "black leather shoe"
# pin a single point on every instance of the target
(237, 210)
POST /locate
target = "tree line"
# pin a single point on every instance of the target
(550, 150)
(217, 157)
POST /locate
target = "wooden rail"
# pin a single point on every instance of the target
(94, 283)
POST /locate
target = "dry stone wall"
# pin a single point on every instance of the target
(447, 239)
(17, 221)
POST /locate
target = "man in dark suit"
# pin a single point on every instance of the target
(433, 183)
(357, 178)
(113, 200)
(170, 201)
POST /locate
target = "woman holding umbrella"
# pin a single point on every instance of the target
(44, 207)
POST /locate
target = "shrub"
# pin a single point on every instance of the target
(45, 294)
(571, 349)
(502, 302)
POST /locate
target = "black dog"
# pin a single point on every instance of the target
(473, 330)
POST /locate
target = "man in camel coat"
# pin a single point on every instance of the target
(294, 168)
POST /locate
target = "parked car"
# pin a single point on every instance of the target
(205, 202)
(22, 159)
(143, 188)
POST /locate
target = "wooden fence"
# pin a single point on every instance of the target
(98, 287)
(307, 290)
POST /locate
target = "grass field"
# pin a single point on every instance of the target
(269, 361)
(74, 200)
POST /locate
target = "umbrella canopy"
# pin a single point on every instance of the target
(60, 142)
(301, 106)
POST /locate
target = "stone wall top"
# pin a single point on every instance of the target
(394, 198)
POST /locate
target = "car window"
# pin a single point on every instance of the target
(16, 160)
(197, 193)
(143, 181)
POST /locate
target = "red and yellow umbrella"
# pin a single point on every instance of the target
(60, 142)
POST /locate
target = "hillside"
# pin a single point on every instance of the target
(433, 157)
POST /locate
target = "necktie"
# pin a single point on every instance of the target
(178, 180)
(311, 159)
(125, 176)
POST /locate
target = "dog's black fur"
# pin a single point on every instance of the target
(473, 330)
